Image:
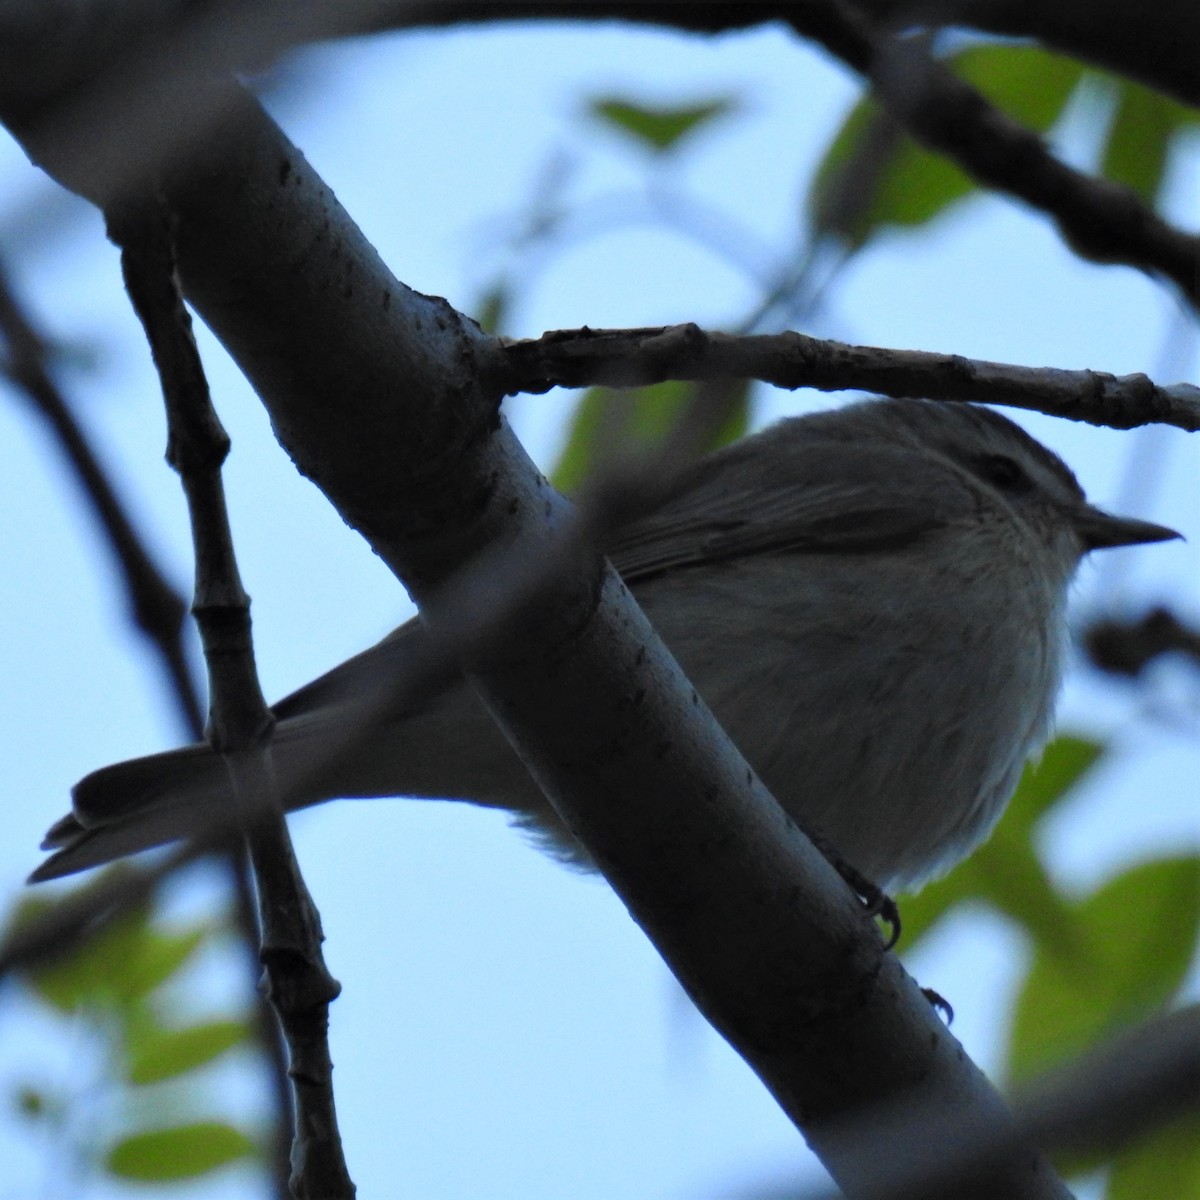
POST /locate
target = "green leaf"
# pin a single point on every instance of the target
(1062, 764)
(1006, 871)
(157, 957)
(659, 129)
(1009, 873)
(1028, 83)
(31, 1102)
(164, 1053)
(1144, 125)
(1165, 1164)
(577, 456)
(183, 1152)
(492, 308)
(125, 959)
(632, 419)
(86, 974)
(873, 177)
(921, 912)
(1137, 937)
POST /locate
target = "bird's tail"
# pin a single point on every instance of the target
(134, 806)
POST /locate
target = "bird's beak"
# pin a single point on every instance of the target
(1101, 530)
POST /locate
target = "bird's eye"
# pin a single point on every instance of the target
(1004, 472)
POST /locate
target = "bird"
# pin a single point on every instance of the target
(871, 599)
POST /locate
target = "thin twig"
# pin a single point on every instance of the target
(634, 357)
(298, 984)
(240, 870)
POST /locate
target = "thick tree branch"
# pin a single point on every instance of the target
(634, 357)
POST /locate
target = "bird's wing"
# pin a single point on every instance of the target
(814, 495)
(818, 498)
(387, 659)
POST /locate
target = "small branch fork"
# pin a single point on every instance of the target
(298, 985)
(634, 357)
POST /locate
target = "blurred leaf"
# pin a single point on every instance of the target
(632, 419)
(1165, 1164)
(182, 1152)
(921, 912)
(578, 452)
(83, 973)
(659, 129)
(493, 308)
(1044, 782)
(1139, 933)
(31, 1102)
(1028, 83)
(1143, 126)
(158, 957)
(1006, 870)
(165, 1053)
(873, 177)
(125, 960)
(1009, 873)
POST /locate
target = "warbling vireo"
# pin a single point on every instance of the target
(870, 599)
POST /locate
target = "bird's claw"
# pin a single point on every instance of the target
(879, 904)
(874, 899)
(939, 1002)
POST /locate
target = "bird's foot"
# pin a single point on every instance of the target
(875, 900)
